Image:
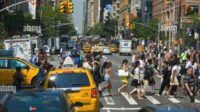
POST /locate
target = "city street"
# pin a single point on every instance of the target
(122, 102)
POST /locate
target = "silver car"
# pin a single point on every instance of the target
(107, 50)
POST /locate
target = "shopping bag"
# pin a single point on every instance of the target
(123, 73)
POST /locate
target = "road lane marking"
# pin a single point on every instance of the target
(108, 110)
(109, 100)
(130, 100)
(174, 100)
(4, 98)
(197, 101)
(122, 108)
(153, 100)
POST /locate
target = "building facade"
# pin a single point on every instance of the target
(172, 14)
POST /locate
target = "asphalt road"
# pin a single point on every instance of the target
(122, 102)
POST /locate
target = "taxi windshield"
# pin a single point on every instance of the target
(67, 80)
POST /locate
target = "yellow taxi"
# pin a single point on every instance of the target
(100, 46)
(96, 49)
(79, 85)
(8, 68)
(114, 48)
(86, 48)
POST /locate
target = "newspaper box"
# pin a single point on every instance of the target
(122, 73)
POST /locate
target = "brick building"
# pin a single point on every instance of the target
(169, 11)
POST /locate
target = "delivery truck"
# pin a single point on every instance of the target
(20, 47)
(125, 47)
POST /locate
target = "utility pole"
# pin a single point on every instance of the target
(129, 13)
(178, 25)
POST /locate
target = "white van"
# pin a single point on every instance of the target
(125, 47)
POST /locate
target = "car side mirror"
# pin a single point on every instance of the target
(77, 104)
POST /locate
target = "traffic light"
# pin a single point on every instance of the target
(63, 7)
(70, 8)
(187, 9)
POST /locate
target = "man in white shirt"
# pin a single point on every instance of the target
(188, 64)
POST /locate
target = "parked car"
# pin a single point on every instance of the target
(107, 50)
(114, 48)
(38, 100)
(79, 84)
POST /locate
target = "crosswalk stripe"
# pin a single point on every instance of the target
(109, 100)
(197, 101)
(130, 100)
(153, 100)
(174, 100)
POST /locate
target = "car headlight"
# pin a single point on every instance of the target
(52, 78)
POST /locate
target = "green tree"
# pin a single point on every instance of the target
(51, 18)
(107, 29)
(3, 32)
(195, 18)
(145, 31)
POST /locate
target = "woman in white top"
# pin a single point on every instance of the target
(107, 78)
(136, 82)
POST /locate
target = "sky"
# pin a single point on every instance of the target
(78, 14)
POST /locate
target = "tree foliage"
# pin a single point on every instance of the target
(145, 31)
(105, 30)
(51, 19)
(3, 32)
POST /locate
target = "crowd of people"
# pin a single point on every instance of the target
(177, 73)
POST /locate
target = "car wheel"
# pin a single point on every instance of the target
(35, 82)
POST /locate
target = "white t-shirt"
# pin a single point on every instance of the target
(133, 59)
(136, 73)
(188, 64)
(142, 65)
(176, 69)
(87, 66)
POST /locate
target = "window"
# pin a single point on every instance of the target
(192, 10)
(66, 80)
(16, 63)
(3, 63)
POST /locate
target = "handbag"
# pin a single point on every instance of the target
(123, 73)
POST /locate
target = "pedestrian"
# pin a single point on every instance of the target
(149, 72)
(40, 76)
(136, 82)
(174, 82)
(87, 64)
(124, 79)
(166, 78)
(133, 59)
(96, 73)
(60, 65)
(18, 78)
(34, 59)
(107, 78)
(189, 84)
